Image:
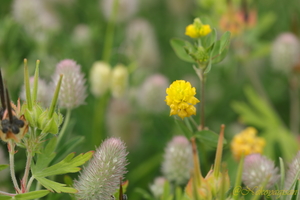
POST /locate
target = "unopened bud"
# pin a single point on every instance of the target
(119, 81)
(100, 75)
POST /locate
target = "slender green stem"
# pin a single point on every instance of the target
(193, 122)
(27, 169)
(294, 105)
(38, 187)
(29, 183)
(63, 129)
(202, 102)
(98, 120)
(11, 148)
(109, 34)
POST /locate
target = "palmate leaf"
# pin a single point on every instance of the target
(67, 165)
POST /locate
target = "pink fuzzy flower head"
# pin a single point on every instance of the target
(257, 169)
(101, 178)
(73, 90)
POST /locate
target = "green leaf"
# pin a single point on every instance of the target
(2, 167)
(32, 195)
(282, 173)
(55, 186)
(145, 195)
(178, 46)
(2, 197)
(220, 57)
(224, 41)
(68, 180)
(67, 147)
(296, 188)
(47, 155)
(187, 132)
(167, 195)
(209, 40)
(208, 137)
(68, 165)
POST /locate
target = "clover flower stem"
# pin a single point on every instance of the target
(294, 105)
(109, 34)
(98, 122)
(63, 129)
(11, 149)
(27, 169)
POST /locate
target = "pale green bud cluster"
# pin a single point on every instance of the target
(103, 77)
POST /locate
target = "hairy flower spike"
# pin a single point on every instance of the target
(246, 142)
(257, 169)
(178, 160)
(197, 29)
(181, 99)
(293, 169)
(101, 178)
(157, 187)
(73, 89)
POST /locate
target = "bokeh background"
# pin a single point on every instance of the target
(53, 30)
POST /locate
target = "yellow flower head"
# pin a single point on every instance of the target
(197, 29)
(181, 99)
(247, 142)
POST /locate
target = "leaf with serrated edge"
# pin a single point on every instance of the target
(32, 195)
(55, 186)
(47, 155)
(68, 165)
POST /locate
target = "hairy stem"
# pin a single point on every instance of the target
(7, 194)
(11, 149)
(26, 172)
(29, 183)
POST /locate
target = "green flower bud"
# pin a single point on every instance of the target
(33, 114)
(49, 125)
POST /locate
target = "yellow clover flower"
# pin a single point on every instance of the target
(197, 29)
(181, 99)
(247, 142)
